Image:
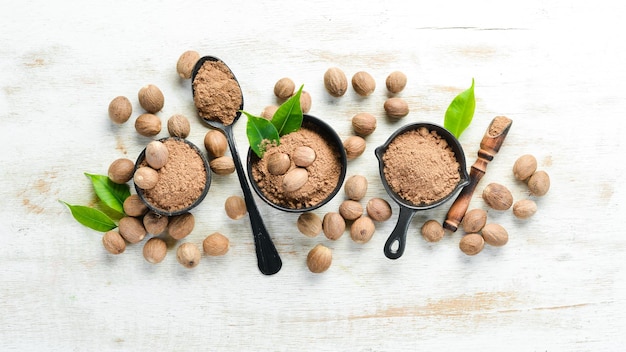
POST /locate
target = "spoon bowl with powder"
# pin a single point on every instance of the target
(421, 166)
(219, 102)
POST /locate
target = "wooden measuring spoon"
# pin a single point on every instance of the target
(489, 147)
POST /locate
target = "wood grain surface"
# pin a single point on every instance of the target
(555, 68)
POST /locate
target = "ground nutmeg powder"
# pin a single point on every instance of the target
(217, 94)
(420, 166)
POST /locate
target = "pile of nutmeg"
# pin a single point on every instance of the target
(498, 197)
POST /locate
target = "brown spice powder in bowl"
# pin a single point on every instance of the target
(422, 165)
(183, 181)
(326, 173)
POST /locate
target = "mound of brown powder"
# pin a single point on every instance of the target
(421, 167)
(324, 172)
(181, 180)
(217, 95)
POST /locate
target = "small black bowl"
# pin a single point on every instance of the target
(154, 208)
(326, 131)
(408, 209)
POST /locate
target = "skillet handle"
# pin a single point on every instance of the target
(394, 247)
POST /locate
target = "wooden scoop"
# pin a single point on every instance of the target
(489, 147)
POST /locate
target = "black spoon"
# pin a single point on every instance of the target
(268, 259)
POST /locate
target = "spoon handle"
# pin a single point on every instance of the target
(268, 259)
(398, 235)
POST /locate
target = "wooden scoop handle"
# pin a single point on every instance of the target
(489, 147)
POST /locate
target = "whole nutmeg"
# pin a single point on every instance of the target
(186, 63)
(495, 235)
(497, 196)
(432, 231)
(131, 229)
(294, 179)
(363, 83)
(539, 183)
(120, 109)
(113, 242)
(309, 224)
(134, 206)
(178, 126)
(524, 167)
(188, 255)
(378, 209)
(216, 244)
(335, 82)
(284, 88)
(354, 146)
(155, 223)
(148, 125)
(222, 165)
(305, 101)
(268, 111)
(362, 230)
(303, 156)
(472, 243)
(235, 207)
(525, 208)
(333, 225)
(146, 177)
(350, 209)
(395, 82)
(363, 124)
(215, 143)
(180, 226)
(474, 220)
(355, 187)
(154, 250)
(156, 154)
(121, 170)
(319, 259)
(278, 163)
(396, 108)
(151, 98)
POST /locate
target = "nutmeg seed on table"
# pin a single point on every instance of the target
(235, 207)
(305, 101)
(121, 170)
(354, 146)
(363, 83)
(432, 231)
(319, 259)
(309, 224)
(154, 250)
(113, 242)
(335, 82)
(186, 63)
(378, 209)
(362, 230)
(131, 229)
(134, 206)
(355, 187)
(284, 88)
(269, 111)
(151, 98)
(148, 125)
(539, 183)
(350, 209)
(495, 235)
(396, 108)
(497, 196)
(222, 165)
(395, 82)
(188, 255)
(154, 223)
(120, 109)
(216, 244)
(525, 208)
(180, 226)
(474, 220)
(215, 143)
(524, 167)
(363, 124)
(333, 225)
(178, 126)
(472, 243)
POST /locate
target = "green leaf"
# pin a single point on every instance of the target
(261, 132)
(288, 117)
(90, 217)
(460, 112)
(110, 193)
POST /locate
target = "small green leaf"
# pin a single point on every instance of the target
(460, 112)
(288, 117)
(90, 217)
(260, 133)
(110, 193)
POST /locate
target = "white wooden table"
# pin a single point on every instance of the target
(555, 68)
